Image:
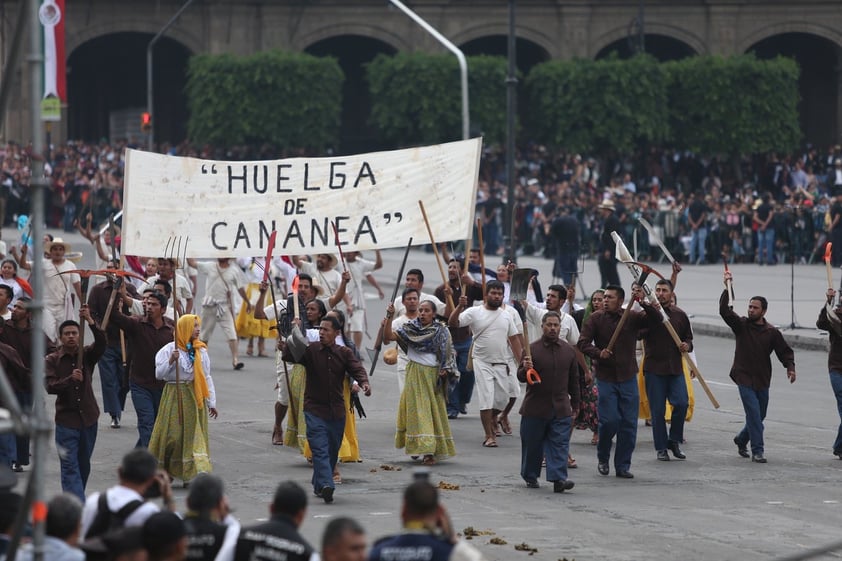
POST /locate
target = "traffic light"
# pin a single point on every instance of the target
(146, 121)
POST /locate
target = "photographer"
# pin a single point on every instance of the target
(126, 503)
(427, 531)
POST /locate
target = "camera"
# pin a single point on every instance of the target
(421, 474)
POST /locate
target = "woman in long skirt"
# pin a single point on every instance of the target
(180, 435)
(422, 425)
(588, 419)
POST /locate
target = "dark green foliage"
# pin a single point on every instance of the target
(734, 105)
(417, 97)
(285, 99)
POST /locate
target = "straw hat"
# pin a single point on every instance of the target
(607, 205)
(57, 241)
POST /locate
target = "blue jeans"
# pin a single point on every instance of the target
(836, 384)
(659, 389)
(22, 442)
(8, 452)
(544, 438)
(617, 407)
(75, 448)
(146, 402)
(325, 437)
(697, 245)
(766, 242)
(459, 394)
(111, 376)
(755, 403)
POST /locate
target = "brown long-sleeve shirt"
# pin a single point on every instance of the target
(76, 406)
(662, 356)
(146, 340)
(16, 370)
(326, 369)
(98, 303)
(755, 342)
(21, 340)
(459, 334)
(834, 357)
(597, 332)
(558, 393)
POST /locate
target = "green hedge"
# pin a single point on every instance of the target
(594, 106)
(734, 105)
(708, 104)
(417, 97)
(286, 99)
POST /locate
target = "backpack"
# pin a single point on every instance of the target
(106, 521)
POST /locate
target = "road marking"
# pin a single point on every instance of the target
(380, 513)
(830, 502)
(774, 502)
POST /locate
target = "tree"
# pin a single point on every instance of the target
(416, 97)
(596, 106)
(736, 105)
(287, 99)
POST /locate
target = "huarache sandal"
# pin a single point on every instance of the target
(595, 439)
(571, 462)
(505, 426)
(429, 460)
(489, 443)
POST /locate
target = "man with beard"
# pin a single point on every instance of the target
(326, 365)
(663, 371)
(490, 326)
(145, 336)
(616, 371)
(751, 370)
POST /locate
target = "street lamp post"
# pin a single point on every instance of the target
(463, 63)
(149, 97)
(511, 105)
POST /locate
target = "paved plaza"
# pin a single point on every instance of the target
(715, 505)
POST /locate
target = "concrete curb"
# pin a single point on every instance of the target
(812, 340)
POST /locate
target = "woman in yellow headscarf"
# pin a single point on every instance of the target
(180, 436)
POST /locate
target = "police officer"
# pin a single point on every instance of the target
(427, 532)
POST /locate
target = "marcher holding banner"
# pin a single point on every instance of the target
(829, 320)
(234, 206)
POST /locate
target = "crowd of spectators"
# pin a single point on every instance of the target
(660, 185)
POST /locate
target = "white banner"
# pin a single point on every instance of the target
(229, 209)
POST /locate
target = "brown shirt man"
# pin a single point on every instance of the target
(76, 406)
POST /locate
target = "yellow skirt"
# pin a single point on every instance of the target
(246, 324)
(644, 399)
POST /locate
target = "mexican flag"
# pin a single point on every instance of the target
(52, 19)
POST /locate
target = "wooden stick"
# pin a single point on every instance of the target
(436, 252)
(174, 265)
(481, 255)
(620, 324)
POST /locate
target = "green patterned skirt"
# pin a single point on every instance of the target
(423, 427)
(181, 447)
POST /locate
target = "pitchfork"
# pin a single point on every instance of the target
(175, 251)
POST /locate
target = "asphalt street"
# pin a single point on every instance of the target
(714, 505)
